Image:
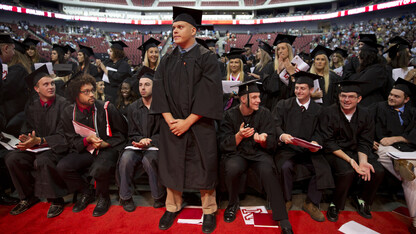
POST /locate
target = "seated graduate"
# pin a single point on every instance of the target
(31, 50)
(125, 96)
(69, 59)
(99, 92)
(264, 66)
(235, 72)
(338, 60)
(396, 131)
(347, 131)
(95, 132)
(34, 175)
(298, 117)
(143, 133)
(247, 138)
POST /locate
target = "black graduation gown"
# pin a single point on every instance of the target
(117, 123)
(261, 121)
(351, 137)
(388, 125)
(378, 84)
(267, 70)
(290, 119)
(350, 68)
(330, 97)
(275, 90)
(92, 70)
(15, 95)
(184, 84)
(116, 78)
(47, 123)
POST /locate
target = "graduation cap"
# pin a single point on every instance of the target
(370, 46)
(5, 38)
(399, 40)
(211, 42)
(248, 45)
(191, 16)
(145, 72)
(33, 78)
(86, 50)
(303, 77)
(266, 47)
(235, 53)
(407, 87)
(246, 87)
(201, 42)
(69, 49)
(209, 27)
(350, 86)
(342, 52)
(367, 38)
(150, 43)
(284, 38)
(20, 46)
(119, 45)
(62, 69)
(321, 50)
(304, 55)
(60, 49)
(30, 42)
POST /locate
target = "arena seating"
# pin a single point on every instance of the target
(254, 2)
(144, 3)
(220, 3)
(119, 2)
(169, 4)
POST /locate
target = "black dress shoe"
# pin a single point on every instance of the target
(128, 205)
(167, 220)
(362, 208)
(103, 204)
(55, 209)
(24, 205)
(86, 198)
(287, 230)
(230, 213)
(6, 200)
(209, 223)
(332, 213)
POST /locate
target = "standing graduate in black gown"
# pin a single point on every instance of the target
(15, 92)
(264, 67)
(187, 92)
(249, 58)
(376, 75)
(34, 175)
(298, 117)
(274, 88)
(95, 132)
(117, 62)
(248, 139)
(328, 83)
(84, 62)
(347, 131)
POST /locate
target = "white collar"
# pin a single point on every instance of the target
(306, 105)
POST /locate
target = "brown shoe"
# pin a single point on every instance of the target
(289, 205)
(313, 211)
(405, 168)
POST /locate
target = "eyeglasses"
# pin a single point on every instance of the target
(87, 92)
(342, 96)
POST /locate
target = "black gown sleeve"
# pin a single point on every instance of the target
(118, 126)
(123, 71)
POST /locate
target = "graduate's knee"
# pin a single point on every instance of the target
(233, 168)
(126, 160)
(43, 162)
(101, 171)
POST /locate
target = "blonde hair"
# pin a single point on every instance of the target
(264, 59)
(241, 70)
(147, 62)
(340, 62)
(326, 72)
(276, 56)
(19, 58)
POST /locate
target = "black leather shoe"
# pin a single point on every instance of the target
(86, 198)
(55, 209)
(167, 220)
(103, 204)
(128, 205)
(6, 200)
(363, 209)
(230, 213)
(209, 223)
(287, 230)
(332, 213)
(24, 205)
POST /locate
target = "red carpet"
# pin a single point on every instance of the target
(146, 219)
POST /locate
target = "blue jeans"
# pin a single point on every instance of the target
(129, 160)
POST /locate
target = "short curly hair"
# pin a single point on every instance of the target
(74, 86)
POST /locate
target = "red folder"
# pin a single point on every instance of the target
(305, 144)
(264, 220)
